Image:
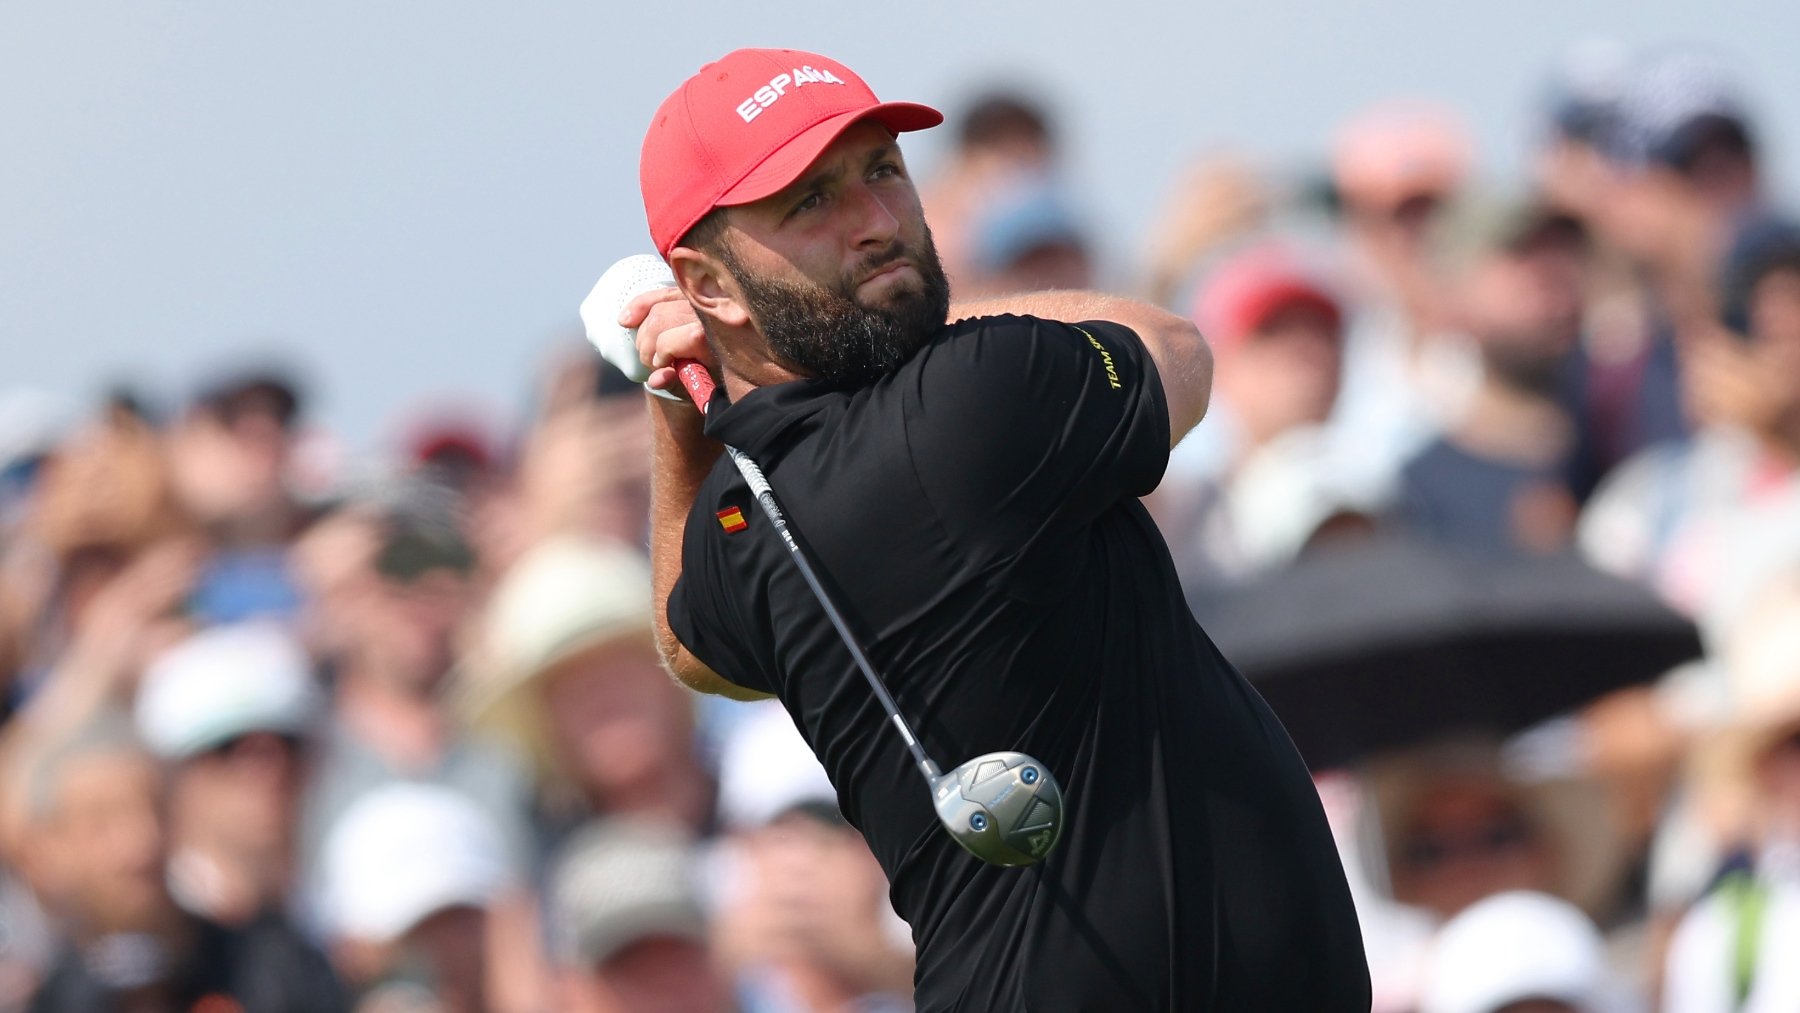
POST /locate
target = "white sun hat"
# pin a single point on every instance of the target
(1513, 947)
(225, 682)
(766, 769)
(566, 596)
(403, 852)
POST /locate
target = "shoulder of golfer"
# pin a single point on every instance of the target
(1183, 360)
(681, 456)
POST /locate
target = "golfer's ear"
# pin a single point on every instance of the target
(713, 291)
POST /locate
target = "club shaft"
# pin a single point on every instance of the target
(765, 497)
(699, 383)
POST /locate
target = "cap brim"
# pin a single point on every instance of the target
(620, 930)
(1234, 326)
(786, 163)
(1289, 292)
(214, 735)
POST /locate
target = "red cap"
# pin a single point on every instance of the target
(1245, 291)
(747, 125)
(1400, 149)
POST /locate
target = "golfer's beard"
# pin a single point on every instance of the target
(823, 331)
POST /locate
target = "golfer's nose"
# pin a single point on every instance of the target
(875, 224)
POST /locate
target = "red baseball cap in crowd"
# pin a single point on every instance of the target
(1244, 293)
(747, 125)
(1400, 149)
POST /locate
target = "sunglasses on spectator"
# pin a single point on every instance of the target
(408, 555)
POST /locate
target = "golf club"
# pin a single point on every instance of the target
(1004, 808)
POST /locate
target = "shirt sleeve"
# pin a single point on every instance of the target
(701, 612)
(1020, 421)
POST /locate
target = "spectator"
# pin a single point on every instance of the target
(1277, 332)
(389, 626)
(1397, 167)
(1507, 474)
(804, 921)
(1249, 493)
(111, 605)
(1455, 828)
(569, 674)
(1683, 174)
(396, 588)
(100, 501)
(1447, 824)
(1027, 238)
(229, 457)
(630, 932)
(229, 452)
(1004, 137)
(584, 464)
(1677, 515)
(410, 871)
(1686, 155)
(1586, 86)
(231, 710)
(1623, 382)
(1733, 950)
(100, 848)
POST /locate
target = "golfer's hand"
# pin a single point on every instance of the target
(667, 331)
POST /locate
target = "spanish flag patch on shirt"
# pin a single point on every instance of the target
(732, 520)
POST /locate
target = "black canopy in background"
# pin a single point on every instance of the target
(1383, 644)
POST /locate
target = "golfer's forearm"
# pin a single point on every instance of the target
(680, 458)
(1182, 357)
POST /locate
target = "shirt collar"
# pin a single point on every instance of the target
(755, 421)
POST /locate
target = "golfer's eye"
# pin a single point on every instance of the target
(808, 202)
(887, 170)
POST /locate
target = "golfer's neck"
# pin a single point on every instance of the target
(746, 372)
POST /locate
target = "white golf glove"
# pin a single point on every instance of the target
(600, 311)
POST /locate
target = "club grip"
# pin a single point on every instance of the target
(697, 380)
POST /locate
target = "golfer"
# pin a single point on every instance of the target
(966, 479)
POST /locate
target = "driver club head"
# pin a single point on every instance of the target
(1004, 808)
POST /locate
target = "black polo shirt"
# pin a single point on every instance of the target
(975, 514)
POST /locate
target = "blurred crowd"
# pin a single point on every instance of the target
(283, 731)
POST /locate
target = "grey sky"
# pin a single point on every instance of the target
(409, 199)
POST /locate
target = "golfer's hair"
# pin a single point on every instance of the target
(707, 233)
(108, 733)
